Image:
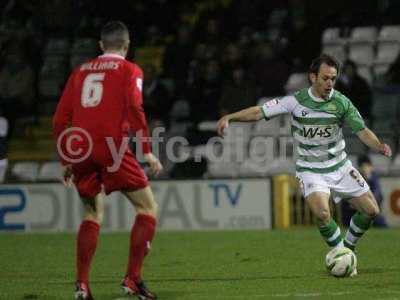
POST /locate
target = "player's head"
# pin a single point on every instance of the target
(115, 37)
(323, 73)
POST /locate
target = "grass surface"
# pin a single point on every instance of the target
(204, 265)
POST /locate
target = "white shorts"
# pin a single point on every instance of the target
(344, 183)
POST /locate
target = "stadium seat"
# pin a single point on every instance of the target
(87, 46)
(50, 171)
(207, 126)
(366, 73)
(222, 169)
(363, 35)
(78, 59)
(331, 36)
(253, 168)
(362, 54)
(52, 76)
(287, 147)
(57, 47)
(236, 140)
(387, 53)
(338, 51)
(180, 110)
(389, 33)
(261, 146)
(286, 125)
(25, 171)
(380, 70)
(295, 82)
(385, 109)
(271, 127)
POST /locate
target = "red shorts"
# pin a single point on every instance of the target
(91, 175)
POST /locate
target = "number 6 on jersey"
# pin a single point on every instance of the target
(92, 90)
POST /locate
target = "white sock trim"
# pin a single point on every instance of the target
(335, 235)
(355, 227)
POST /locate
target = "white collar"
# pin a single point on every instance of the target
(114, 55)
(318, 99)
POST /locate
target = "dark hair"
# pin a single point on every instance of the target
(114, 35)
(363, 159)
(324, 59)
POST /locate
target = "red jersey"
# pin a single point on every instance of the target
(103, 97)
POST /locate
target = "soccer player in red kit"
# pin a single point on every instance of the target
(102, 102)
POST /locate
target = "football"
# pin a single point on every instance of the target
(341, 262)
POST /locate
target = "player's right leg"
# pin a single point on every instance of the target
(87, 243)
(330, 231)
(142, 234)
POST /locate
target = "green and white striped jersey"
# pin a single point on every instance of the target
(317, 127)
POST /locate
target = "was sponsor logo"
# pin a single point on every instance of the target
(319, 132)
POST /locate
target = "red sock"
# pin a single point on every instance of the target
(141, 236)
(85, 248)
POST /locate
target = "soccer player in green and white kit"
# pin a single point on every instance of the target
(318, 115)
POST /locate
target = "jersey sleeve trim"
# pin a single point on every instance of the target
(264, 113)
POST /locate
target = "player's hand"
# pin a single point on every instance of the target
(67, 176)
(155, 165)
(222, 124)
(385, 150)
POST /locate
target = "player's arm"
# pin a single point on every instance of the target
(371, 140)
(139, 122)
(61, 121)
(353, 118)
(268, 110)
(250, 114)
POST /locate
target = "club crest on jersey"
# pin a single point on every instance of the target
(272, 102)
(331, 108)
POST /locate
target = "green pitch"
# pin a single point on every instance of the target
(204, 265)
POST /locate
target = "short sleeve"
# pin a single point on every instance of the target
(353, 119)
(278, 106)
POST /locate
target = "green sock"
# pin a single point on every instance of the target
(359, 224)
(331, 233)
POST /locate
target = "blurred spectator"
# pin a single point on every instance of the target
(269, 72)
(356, 88)
(232, 58)
(16, 87)
(367, 171)
(156, 98)
(202, 54)
(3, 146)
(177, 57)
(205, 93)
(210, 32)
(238, 93)
(300, 48)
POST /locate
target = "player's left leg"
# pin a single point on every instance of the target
(367, 209)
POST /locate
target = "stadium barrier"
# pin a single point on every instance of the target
(184, 205)
(290, 209)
